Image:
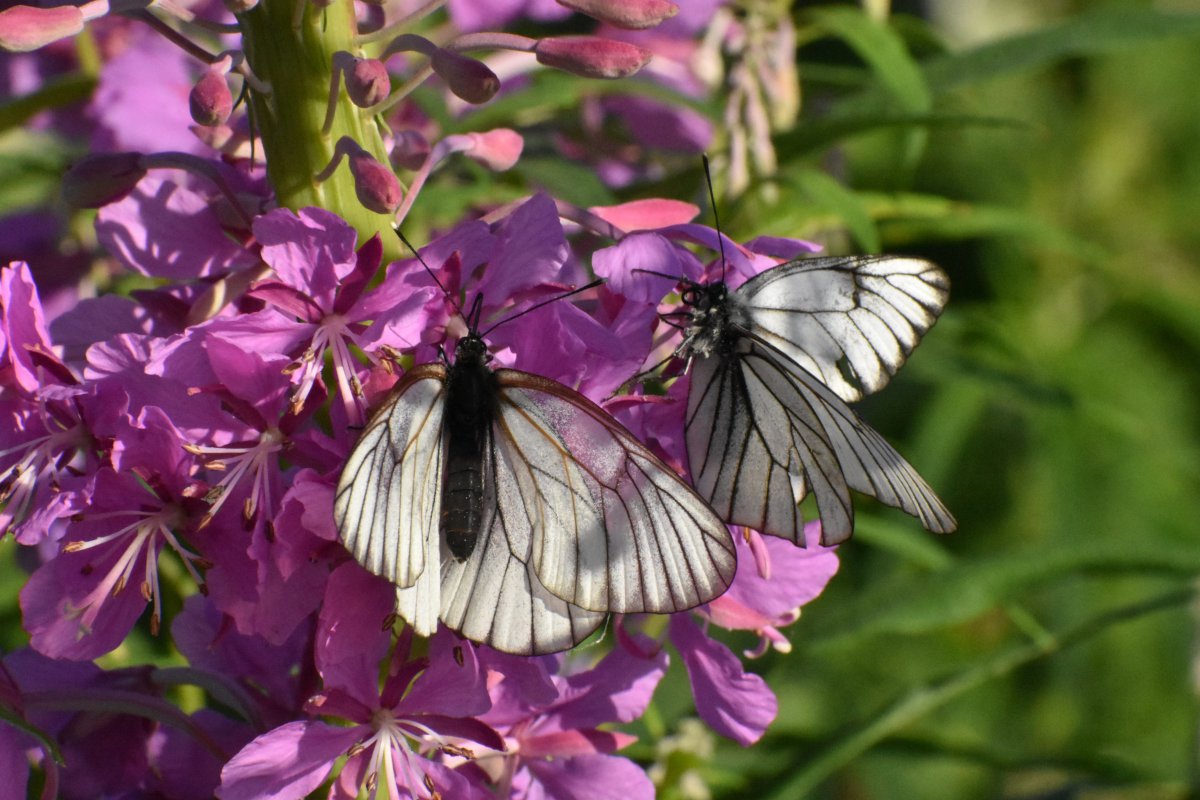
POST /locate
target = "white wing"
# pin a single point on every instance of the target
(388, 502)
(849, 321)
(762, 433)
(495, 597)
(610, 526)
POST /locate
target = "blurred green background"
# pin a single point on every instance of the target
(1047, 155)
(1046, 649)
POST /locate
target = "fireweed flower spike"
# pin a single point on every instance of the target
(173, 422)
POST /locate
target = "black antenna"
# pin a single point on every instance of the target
(536, 306)
(712, 199)
(433, 275)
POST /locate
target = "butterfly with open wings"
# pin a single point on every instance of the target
(518, 512)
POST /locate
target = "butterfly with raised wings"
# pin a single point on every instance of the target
(518, 512)
(773, 365)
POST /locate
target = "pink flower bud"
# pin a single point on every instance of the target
(467, 78)
(625, 13)
(367, 82)
(102, 178)
(409, 150)
(25, 28)
(591, 56)
(376, 186)
(498, 150)
(210, 100)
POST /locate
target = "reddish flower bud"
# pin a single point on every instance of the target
(210, 100)
(376, 186)
(367, 82)
(467, 78)
(409, 150)
(25, 28)
(591, 56)
(632, 14)
(497, 150)
(102, 178)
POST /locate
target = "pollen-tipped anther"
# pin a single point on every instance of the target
(591, 56)
(633, 14)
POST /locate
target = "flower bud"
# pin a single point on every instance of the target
(367, 82)
(467, 78)
(376, 186)
(210, 100)
(632, 14)
(498, 149)
(409, 150)
(591, 56)
(25, 28)
(102, 178)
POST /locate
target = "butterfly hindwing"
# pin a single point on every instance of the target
(756, 447)
(619, 530)
(851, 322)
(755, 416)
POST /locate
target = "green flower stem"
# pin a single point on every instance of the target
(297, 63)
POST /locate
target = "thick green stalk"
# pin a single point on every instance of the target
(297, 63)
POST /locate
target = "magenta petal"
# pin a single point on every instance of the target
(14, 764)
(398, 319)
(21, 323)
(446, 686)
(625, 265)
(595, 777)
(137, 229)
(797, 575)
(733, 702)
(310, 251)
(288, 762)
(532, 250)
(352, 637)
(52, 598)
(618, 689)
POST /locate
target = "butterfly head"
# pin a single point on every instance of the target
(716, 319)
(471, 350)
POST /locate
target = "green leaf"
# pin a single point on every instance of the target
(911, 217)
(827, 194)
(912, 604)
(882, 49)
(1095, 33)
(819, 134)
(567, 180)
(55, 93)
(923, 700)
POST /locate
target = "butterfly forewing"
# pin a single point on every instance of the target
(619, 530)
(388, 499)
(849, 321)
